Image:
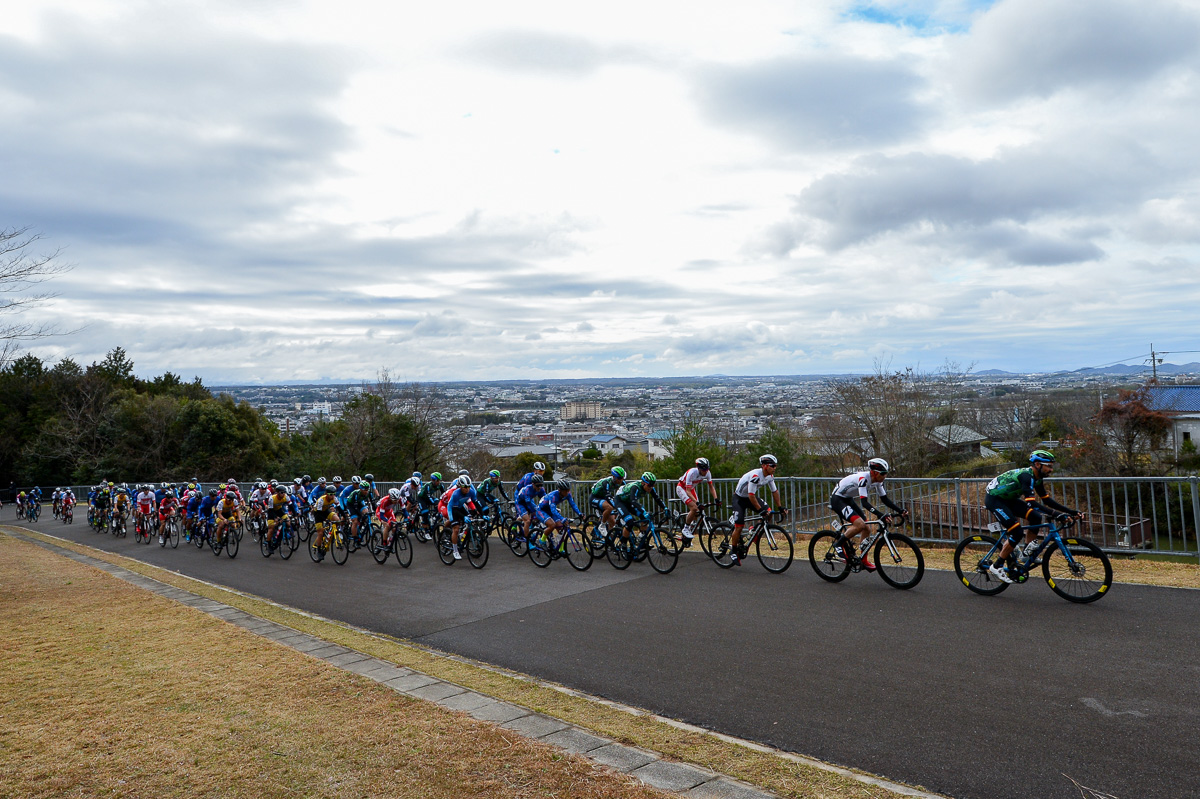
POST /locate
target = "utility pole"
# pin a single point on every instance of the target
(1155, 361)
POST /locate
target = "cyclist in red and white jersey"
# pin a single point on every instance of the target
(685, 490)
(146, 505)
(169, 503)
(858, 486)
(746, 497)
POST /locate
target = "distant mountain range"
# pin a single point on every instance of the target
(1117, 369)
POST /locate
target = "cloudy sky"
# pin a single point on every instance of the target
(268, 191)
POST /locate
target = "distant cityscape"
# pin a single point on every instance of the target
(562, 418)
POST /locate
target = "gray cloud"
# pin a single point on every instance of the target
(833, 102)
(549, 53)
(1039, 47)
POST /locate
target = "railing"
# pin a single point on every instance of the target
(1154, 515)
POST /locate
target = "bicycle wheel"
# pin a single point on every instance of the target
(314, 551)
(173, 533)
(1085, 580)
(972, 557)
(231, 545)
(619, 549)
(403, 548)
(376, 547)
(577, 550)
(824, 558)
(539, 549)
(288, 542)
(306, 528)
(774, 549)
(477, 549)
(516, 540)
(898, 560)
(445, 548)
(264, 546)
(338, 547)
(662, 551)
(719, 544)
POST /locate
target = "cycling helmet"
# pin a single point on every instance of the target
(618, 472)
(415, 480)
(539, 467)
(436, 477)
(702, 464)
(280, 489)
(296, 481)
(370, 478)
(212, 492)
(463, 481)
(768, 460)
(648, 478)
(494, 473)
(394, 493)
(320, 481)
(417, 475)
(329, 489)
(364, 485)
(274, 483)
(306, 478)
(878, 465)
(537, 480)
(231, 481)
(1041, 456)
(564, 484)
(337, 478)
(230, 495)
(356, 479)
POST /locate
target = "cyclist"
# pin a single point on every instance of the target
(685, 490)
(603, 498)
(627, 505)
(462, 499)
(67, 501)
(859, 485)
(316, 490)
(280, 503)
(1021, 494)
(539, 469)
(121, 503)
(146, 504)
(21, 505)
(227, 510)
(358, 506)
(386, 511)
(428, 496)
(485, 488)
(548, 512)
(56, 500)
(746, 497)
(168, 505)
(527, 502)
(408, 495)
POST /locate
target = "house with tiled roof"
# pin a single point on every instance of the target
(1182, 404)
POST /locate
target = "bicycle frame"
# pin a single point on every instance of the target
(1053, 536)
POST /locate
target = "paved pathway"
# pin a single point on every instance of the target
(1010, 696)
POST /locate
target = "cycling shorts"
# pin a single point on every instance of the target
(743, 507)
(598, 503)
(846, 509)
(630, 512)
(686, 494)
(524, 508)
(319, 516)
(274, 513)
(145, 507)
(458, 514)
(550, 512)
(1010, 512)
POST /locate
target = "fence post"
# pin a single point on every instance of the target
(958, 506)
(1195, 514)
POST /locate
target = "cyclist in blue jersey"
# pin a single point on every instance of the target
(539, 470)
(527, 502)
(547, 507)
(463, 501)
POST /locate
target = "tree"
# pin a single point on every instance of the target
(21, 270)
(1125, 436)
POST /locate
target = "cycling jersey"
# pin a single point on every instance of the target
(859, 485)
(549, 503)
(750, 482)
(1018, 484)
(527, 480)
(528, 498)
(605, 487)
(692, 477)
(485, 489)
(630, 493)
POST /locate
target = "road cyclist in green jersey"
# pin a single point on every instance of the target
(602, 499)
(1021, 495)
(627, 500)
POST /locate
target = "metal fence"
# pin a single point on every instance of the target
(1154, 515)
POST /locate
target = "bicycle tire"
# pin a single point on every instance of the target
(232, 545)
(445, 547)
(662, 551)
(264, 546)
(477, 549)
(968, 560)
(774, 549)
(376, 547)
(173, 533)
(516, 540)
(1072, 583)
(339, 548)
(403, 548)
(288, 542)
(578, 551)
(617, 549)
(903, 569)
(306, 528)
(824, 559)
(314, 551)
(719, 544)
(539, 550)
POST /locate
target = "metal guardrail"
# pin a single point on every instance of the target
(1152, 515)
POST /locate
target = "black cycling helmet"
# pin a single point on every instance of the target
(564, 484)
(537, 480)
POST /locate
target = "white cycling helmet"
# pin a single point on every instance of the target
(394, 493)
(878, 465)
(539, 467)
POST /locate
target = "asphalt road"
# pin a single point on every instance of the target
(988, 697)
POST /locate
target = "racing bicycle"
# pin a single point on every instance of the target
(898, 559)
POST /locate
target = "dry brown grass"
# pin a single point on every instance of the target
(769, 770)
(110, 692)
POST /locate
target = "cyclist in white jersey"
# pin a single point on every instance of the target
(746, 497)
(858, 486)
(685, 489)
